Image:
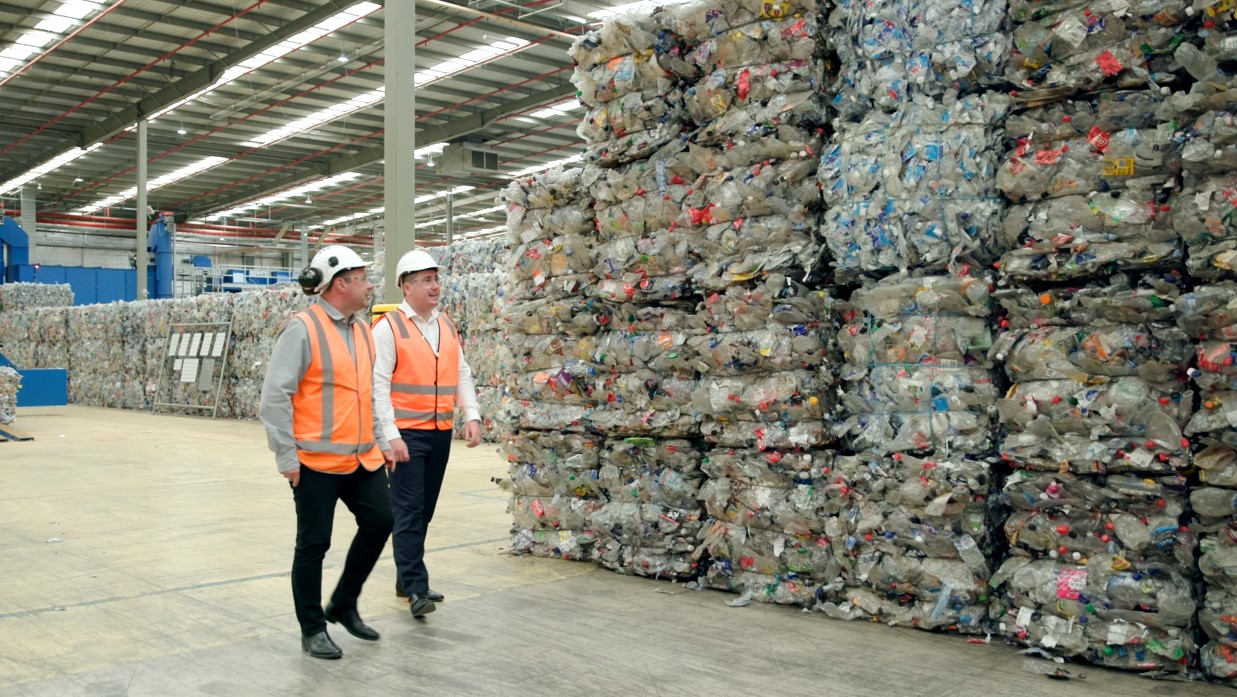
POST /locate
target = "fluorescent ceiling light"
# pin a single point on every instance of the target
(51, 165)
(427, 151)
(465, 216)
(426, 198)
(283, 48)
(294, 193)
(318, 118)
(472, 59)
(560, 109)
(169, 178)
(548, 165)
(380, 210)
(350, 218)
(642, 7)
(469, 60)
(485, 231)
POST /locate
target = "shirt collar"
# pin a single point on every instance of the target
(408, 312)
(334, 313)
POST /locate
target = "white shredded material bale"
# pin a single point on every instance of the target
(28, 296)
(10, 382)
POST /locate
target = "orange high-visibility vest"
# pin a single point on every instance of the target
(423, 384)
(333, 409)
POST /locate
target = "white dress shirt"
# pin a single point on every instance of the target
(384, 366)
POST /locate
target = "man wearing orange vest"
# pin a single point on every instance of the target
(420, 376)
(317, 406)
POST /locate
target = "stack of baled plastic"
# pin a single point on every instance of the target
(897, 51)
(1208, 314)
(754, 73)
(634, 104)
(765, 362)
(908, 177)
(10, 383)
(15, 341)
(916, 376)
(97, 372)
(552, 456)
(1206, 140)
(912, 536)
(1072, 47)
(765, 393)
(1100, 566)
(914, 189)
(471, 291)
(1091, 188)
(15, 297)
(35, 338)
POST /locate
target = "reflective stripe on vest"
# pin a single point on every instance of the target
(423, 384)
(332, 410)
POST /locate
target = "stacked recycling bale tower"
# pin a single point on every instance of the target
(472, 286)
(552, 456)
(1100, 565)
(1203, 215)
(754, 75)
(913, 221)
(695, 330)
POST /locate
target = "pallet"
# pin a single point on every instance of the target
(8, 433)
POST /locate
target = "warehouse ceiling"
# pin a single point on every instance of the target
(267, 115)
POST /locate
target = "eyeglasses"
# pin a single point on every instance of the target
(424, 281)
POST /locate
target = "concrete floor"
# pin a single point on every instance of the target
(149, 555)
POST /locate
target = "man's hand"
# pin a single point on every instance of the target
(388, 459)
(400, 450)
(294, 476)
(472, 433)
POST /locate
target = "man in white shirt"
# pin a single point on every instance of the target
(420, 376)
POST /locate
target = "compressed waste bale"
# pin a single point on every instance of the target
(915, 189)
(15, 297)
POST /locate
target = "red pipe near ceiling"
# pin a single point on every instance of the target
(133, 74)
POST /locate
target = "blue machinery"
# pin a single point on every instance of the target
(160, 242)
(14, 243)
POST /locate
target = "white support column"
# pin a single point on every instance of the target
(140, 223)
(400, 108)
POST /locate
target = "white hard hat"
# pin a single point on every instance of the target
(416, 260)
(327, 263)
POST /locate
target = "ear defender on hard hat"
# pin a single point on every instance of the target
(311, 276)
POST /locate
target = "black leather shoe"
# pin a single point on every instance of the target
(321, 646)
(350, 621)
(420, 605)
(432, 595)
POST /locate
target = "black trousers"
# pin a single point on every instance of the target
(414, 495)
(368, 495)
